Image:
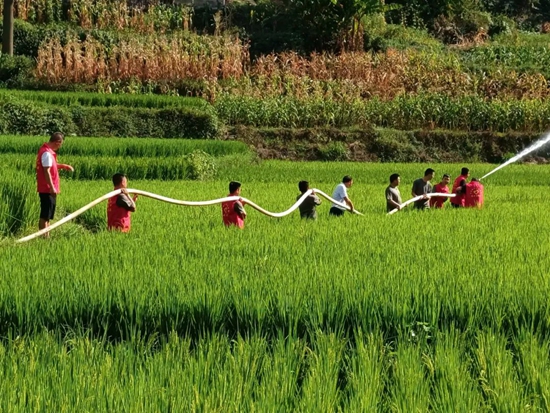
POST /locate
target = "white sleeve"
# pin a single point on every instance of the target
(344, 191)
(340, 193)
(47, 160)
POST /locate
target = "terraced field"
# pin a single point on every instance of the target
(421, 311)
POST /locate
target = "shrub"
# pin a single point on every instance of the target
(394, 146)
(30, 118)
(20, 117)
(502, 25)
(15, 68)
(200, 165)
(188, 123)
(58, 119)
(334, 151)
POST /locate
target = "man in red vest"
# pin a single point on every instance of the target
(47, 178)
(119, 207)
(474, 194)
(459, 186)
(233, 211)
(441, 188)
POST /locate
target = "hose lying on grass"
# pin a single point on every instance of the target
(186, 203)
(418, 198)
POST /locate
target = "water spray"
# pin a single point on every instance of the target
(537, 145)
(185, 203)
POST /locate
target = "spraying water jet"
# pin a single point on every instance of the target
(537, 145)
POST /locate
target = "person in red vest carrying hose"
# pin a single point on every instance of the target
(459, 186)
(440, 188)
(233, 211)
(119, 207)
(47, 178)
(474, 194)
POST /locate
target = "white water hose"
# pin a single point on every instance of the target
(420, 197)
(186, 203)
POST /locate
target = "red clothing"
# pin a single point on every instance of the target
(118, 218)
(438, 201)
(459, 198)
(230, 216)
(474, 195)
(41, 183)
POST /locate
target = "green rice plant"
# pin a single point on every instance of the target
(103, 168)
(454, 389)
(497, 374)
(367, 374)
(409, 390)
(281, 374)
(16, 208)
(320, 391)
(534, 368)
(105, 100)
(128, 147)
(182, 313)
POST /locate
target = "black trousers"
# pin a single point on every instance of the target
(337, 212)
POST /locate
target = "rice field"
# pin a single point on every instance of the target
(443, 311)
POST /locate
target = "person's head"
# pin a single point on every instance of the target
(475, 180)
(120, 180)
(234, 188)
(56, 140)
(395, 179)
(429, 174)
(303, 186)
(465, 172)
(446, 179)
(347, 181)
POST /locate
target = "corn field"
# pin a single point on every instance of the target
(222, 64)
(106, 14)
(423, 111)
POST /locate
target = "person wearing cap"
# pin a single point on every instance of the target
(308, 207)
(340, 194)
(440, 188)
(47, 178)
(422, 186)
(233, 212)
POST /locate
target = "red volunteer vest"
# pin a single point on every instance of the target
(41, 184)
(459, 199)
(474, 195)
(230, 217)
(438, 201)
(117, 218)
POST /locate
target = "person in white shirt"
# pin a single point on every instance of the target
(47, 178)
(340, 194)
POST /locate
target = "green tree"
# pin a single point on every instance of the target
(355, 13)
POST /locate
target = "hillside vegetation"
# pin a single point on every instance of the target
(460, 66)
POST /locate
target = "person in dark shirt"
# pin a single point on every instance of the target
(422, 186)
(308, 207)
(120, 206)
